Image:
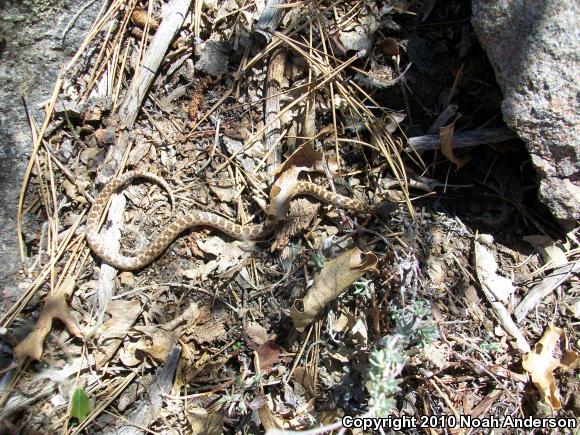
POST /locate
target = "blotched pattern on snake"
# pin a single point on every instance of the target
(193, 219)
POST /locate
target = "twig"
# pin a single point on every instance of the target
(145, 74)
(463, 139)
(543, 289)
(269, 21)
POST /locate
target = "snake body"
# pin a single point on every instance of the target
(193, 219)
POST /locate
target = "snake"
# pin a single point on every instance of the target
(194, 218)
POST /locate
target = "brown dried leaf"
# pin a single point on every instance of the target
(268, 354)
(104, 136)
(155, 344)
(55, 307)
(540, 364)
(268, 419)
(336, 276)
(228, 254)
(88, 154)
(256, 334)
(70, 189)
(185, 321)
(446, 139)
(305, 378)
(127, 279)
(157, 341)
(203, 422)
(304, 158)
(209, 331)
(551, 252)
(223, 188)
(113, 331)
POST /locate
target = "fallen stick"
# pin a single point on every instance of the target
(463, 139)
(171, 23)
(269, 20)
(544, 288)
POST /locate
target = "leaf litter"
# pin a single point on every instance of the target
(218, 335)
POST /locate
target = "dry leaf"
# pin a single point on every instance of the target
(446, 139)
(342, 355)
(268, 354)
(224, 189)
(185, 321)
(155, 344)
(540, 364)
(256, 334)
(70, 189)
(359, 332)
(300, 215)
(209, 330)
(203, 422)
(157, 341)
(228, 254)
(88, 154)
(113, 331)
(336, 276)
(305, 378)
(201, 271)
(268, 419)
(551, 252)
(55, 307)
(127, 279)
(340, 324)
(303, 159)
(438, 355)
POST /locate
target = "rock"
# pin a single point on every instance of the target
(533, 47)
(32, 50)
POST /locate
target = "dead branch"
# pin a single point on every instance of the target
(463, 139)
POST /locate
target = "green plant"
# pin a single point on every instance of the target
(386, 364)
(316, 261)
(80, 406)
(413, 327)
(362, 287)
(490, 346)
(413, 323)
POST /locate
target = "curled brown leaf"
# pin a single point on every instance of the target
(336, 276)
(540, 364)
(304, 158)
(446, 139)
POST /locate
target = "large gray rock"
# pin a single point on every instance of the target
(32, 50)
(534, 49)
